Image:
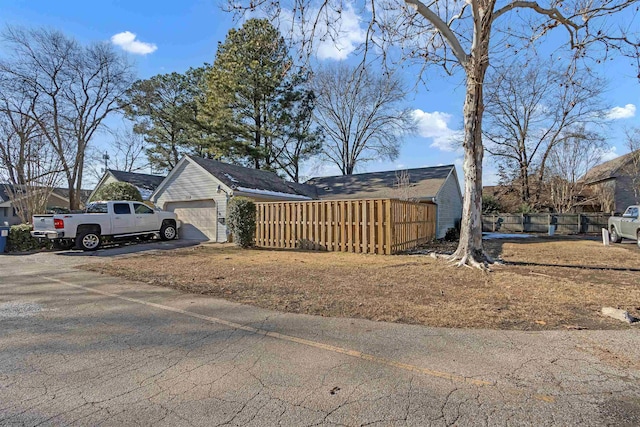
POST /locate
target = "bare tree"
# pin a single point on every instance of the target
(461, 35)
(74, 89)
(569, 160)
(361, 115)
(28, 165)
(403, 186)
(605, 193)
(531, 107)
(126, 151)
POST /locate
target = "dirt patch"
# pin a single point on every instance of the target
(545, 284)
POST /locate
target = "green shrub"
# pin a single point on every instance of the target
(525, 208)
(20, 239)
(118, 191)
(490, 205)
(453, 234)
(242, 221)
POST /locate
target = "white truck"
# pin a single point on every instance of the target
(627, 226)
(118, 219)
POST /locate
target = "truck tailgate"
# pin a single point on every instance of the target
(42, 222)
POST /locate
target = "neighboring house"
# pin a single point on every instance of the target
(58, 198)
(438, 185)
(198, 190)
(613, 185)
(145, 183)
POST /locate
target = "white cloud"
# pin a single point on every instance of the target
(436, 126)
(625, 112)
(127, 41)
(349, 34)
(609, 154)
(337, 35)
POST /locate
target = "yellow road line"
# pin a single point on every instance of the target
(283, 337)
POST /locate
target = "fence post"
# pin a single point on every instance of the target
(579, 223)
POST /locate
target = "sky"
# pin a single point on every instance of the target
(165, 36)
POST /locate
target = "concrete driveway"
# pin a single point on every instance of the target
(86, 349)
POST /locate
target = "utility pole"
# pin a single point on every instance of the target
(105, 157)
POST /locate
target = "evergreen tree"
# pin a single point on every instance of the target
(164, 109)
(250, 87)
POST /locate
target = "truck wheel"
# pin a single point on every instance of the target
(168, 232)
(613, 236)
(88, 241)
(638, 238)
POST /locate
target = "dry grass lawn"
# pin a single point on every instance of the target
(545, 284)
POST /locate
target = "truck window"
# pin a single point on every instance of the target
(121, 208)
(97, 208)
(142, 209)
(631, 212)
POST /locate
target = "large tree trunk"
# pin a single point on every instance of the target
(524, 179)
(470, 250)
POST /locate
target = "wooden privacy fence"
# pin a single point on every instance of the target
(571, 223)
(377, 226)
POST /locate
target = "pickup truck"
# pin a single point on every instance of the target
(626, 226)
(113, 219)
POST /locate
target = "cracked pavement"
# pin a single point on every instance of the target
(78, 348)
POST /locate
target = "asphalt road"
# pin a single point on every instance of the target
(83, 349)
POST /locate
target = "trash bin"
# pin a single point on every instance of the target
(4, 235)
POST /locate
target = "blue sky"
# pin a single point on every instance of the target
(173, 36)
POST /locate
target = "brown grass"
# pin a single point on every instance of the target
(546, 284)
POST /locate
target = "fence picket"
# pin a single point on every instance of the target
(379, 226)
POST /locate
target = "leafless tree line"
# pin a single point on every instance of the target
(55, 95)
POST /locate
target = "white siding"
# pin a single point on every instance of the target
(190, 182)
(6, 215)
(449, 202)
(107, 180)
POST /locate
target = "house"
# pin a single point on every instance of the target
(145, 183)
(198, 190)
(438, 185)
(59, 198)
(613, 185)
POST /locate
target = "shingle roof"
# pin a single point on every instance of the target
(424, 184)
(610, 169)
(140, 180)
(62, 192)
(239, 177)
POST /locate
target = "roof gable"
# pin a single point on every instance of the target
(424, 184)
(610, 169)
(140, 180)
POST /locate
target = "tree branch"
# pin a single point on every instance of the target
(442, 27)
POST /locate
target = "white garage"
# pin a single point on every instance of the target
(198, 218)
(198, 191)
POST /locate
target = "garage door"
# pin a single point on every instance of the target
(198, 218)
